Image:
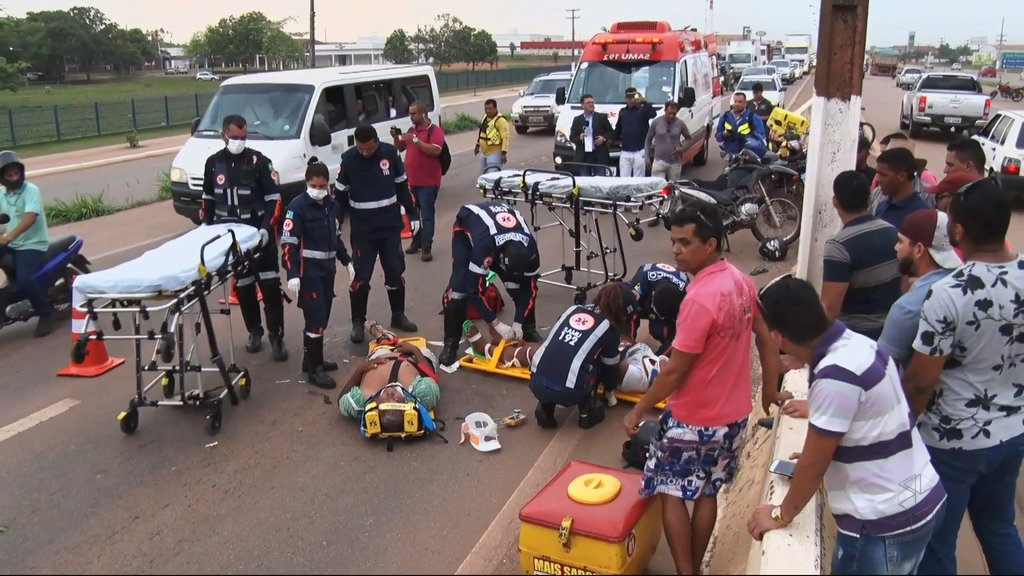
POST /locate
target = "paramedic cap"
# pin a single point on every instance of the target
(929, 227)
(482, 432)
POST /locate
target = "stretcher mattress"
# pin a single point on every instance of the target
(609, 188)
(171, 267)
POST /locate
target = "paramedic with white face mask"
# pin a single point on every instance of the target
(310, 243)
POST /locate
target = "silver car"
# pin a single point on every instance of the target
(786, 72)
(908, 76)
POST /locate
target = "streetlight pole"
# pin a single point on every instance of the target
(574, 17)
(312, 33)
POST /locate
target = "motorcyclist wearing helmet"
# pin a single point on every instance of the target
(25, 237)
(490, 236)
(740, 129)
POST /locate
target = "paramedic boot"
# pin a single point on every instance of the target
(273, 309)
(454, 315)
(415, 246)
(399, 321)
(255, 343)
(591, 413)
(249, 305)
(530, 333)
(545, 415)
(313, 360)
(358, 300)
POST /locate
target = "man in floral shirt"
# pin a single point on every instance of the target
(965, 382)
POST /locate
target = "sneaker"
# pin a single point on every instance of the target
(610, 399)
(44, 326)
(378, 332)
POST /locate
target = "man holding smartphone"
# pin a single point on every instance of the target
(422, 144)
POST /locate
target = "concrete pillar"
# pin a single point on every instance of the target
(835, 125)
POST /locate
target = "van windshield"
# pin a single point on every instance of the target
(271, 111)
(739, 58)
(607, 81)
(547, 86)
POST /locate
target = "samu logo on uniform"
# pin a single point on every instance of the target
(385, 166)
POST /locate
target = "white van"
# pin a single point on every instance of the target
(295, 114)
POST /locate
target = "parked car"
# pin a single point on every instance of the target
(908, 76)
(988, 72)
(1002, 139)
(536, 107)
(947, 101)
(206, 75)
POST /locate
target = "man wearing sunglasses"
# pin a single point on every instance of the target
(707, 382)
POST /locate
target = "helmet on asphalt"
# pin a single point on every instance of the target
(516, 258)
(773, 249)
(7, 158)
(634, 450)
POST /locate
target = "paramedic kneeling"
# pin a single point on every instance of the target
(391, 362)
(661, 289)
(486, 236)
(580, 352)
(238, 186)
(310, 242)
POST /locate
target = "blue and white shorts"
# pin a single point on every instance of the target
(689, 462)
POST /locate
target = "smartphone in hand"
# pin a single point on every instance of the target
(783, 468)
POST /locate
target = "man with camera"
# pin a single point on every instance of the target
(422, 144)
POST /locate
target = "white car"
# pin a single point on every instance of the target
(956, 66)
(908, 76)
(206, 75)
(773, 89)
(1002, 139)
(786, 70)
(536, 107)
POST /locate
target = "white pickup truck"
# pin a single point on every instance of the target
(947, 101)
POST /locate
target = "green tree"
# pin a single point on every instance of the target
(92, 44)
(128, 50)
(481, 49)
(398, 48)
(242, 39)
(49, 39)
(12, 75)
(437, 40)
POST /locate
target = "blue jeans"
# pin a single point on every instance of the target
(26, 264)
(983, 483)
(490, 161)
(893, 554)
(426, 200)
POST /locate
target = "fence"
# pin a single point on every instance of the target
(26, 125)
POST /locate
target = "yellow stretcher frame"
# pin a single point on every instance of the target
(493, 366)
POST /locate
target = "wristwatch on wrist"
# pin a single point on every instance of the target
(415, 139)
(777, 516)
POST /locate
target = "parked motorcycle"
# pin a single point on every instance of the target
(63, 261)
(1008, 92)
(746, 197)
(792, 152)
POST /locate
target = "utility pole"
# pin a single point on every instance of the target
(999, 53)
(312, 33)
(835, 122)
(574, 16)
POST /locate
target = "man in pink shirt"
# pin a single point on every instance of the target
(422, 145)
(707, 382)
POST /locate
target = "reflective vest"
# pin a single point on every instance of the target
(745, 128)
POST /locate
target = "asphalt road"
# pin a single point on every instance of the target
(289, 485)
(139, 179)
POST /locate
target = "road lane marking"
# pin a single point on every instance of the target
(12, 430)
(138, 245)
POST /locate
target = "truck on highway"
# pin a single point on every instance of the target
(797, 48)
(884, 62)
(742, 54)
(948, 101)
(662, 64)
(292, 115)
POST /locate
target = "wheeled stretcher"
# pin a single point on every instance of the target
(577, 203)
(176, 280)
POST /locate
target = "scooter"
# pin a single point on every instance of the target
(745, 196)
(63, 261)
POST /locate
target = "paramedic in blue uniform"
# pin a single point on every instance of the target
(310, 243)
(238, 186)
(372, 186)
(486, 236)
(660, 289)
(580, 352)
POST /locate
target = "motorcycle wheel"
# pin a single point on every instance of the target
(1017, 96)
(787, 210)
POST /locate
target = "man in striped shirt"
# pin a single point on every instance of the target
(860, 277)
(882, 489)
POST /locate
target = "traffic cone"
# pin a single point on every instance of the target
(96, 361)
(407, 230)
(233, 299)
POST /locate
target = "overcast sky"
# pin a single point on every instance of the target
(889, 21)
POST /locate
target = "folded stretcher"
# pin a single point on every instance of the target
(175, 279)
(577, 203)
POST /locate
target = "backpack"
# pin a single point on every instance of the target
(446, 154)
(417, 420)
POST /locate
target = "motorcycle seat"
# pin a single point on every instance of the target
(770, 157)
(723, 197)
(57, 247)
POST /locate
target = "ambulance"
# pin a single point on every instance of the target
(663, 64)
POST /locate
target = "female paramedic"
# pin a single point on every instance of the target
(310, 242)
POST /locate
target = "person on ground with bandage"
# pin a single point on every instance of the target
(490, 236)
(390, 364)
(310, 244)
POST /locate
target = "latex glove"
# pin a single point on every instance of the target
(504, 329)
(414, 226)
(293, 286)
(264, 237)
(351, 272)
(517, 331)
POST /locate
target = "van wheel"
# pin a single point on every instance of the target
(702, 158)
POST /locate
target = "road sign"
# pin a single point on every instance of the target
(910, 41)
(761, 33)
(1013, 60)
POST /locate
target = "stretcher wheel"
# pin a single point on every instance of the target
(213, 421)
(79, 350)
(244, 385)
(168, 385)
(129, 421)
(166, 347)
(637, 234)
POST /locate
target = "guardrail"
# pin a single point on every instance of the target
(23, 125)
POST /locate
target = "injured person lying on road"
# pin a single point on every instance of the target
(391, 361)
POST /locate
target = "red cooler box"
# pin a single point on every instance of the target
(589, 519)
